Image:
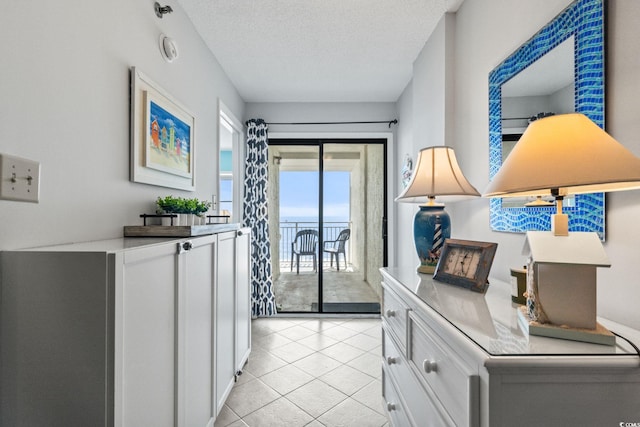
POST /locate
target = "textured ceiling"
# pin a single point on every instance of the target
(317, 50)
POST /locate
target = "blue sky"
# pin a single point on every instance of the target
(299, 195)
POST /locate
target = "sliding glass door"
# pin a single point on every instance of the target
(327, 211)
(294, 213)
(353, 183)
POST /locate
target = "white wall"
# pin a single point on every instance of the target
(487, 31)
(64, 101)
(427, 105)
(405, 250)
(433, 87)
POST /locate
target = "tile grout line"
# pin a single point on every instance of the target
(357, 331)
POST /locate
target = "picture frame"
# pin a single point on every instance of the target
(407, 170)
(466, 263)
(162, 145)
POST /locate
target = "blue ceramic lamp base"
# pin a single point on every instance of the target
(431, 226)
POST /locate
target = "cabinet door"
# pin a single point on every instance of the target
(243, 297)
(224, 318)
(195, 333)
(146, 388)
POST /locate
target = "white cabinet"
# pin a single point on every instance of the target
(232, 312)
(120, 332)
(163, 333)
(225, 369)
(452, 357)
(196, 315)
(243, 298)
(145, 286)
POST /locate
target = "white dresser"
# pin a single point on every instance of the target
(452, 357)
(123, 332)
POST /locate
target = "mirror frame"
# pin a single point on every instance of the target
(583, 19)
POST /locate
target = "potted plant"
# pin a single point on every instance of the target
(202, 206)
(186, 209)
(190, 209)
(169, 205)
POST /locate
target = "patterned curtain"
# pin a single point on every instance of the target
(255, 213)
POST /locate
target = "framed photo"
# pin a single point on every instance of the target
(466, 263)
(162, 137)
(407, 170)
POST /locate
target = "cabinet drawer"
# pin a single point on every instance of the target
(396, 412)
(419, 408)
(394, 311)
(444, 375)
(393, 360)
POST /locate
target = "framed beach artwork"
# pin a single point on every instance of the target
(162, 136)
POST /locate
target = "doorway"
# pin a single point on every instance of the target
(327, 215)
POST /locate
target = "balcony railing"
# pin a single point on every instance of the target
(330, 231)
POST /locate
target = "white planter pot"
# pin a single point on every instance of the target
(187, 219)
(167, 221)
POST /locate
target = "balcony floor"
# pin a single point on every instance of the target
(299, 292)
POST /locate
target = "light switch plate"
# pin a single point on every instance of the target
(20, 179)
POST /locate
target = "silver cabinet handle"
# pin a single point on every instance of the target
(185, 246)
(429, 366)
(391, 406)
(391, 360)
(390, 313)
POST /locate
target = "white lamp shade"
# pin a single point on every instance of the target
(568, 153)
(437, 173)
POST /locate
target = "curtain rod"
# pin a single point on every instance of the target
(391, 122)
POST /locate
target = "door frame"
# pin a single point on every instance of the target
(238, 161)
(316, 138)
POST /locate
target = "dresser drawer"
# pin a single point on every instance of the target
(394, 312)
(393, 360)
(443, 375)
(396, 412)
(420, 409)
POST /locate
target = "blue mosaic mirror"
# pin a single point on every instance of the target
(580, 27)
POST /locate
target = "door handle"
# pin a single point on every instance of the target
(384, 227)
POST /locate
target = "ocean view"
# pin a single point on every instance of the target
(289, 226)
(327, 219)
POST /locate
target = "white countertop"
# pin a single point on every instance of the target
(490, 319)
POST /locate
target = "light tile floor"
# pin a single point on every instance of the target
(309, 372)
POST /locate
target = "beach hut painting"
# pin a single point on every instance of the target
(169, 146)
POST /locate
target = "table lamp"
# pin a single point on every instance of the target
(558, 156)
(437, 173)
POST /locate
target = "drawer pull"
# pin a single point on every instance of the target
(391, 406)
(391, 360)
(391, 313)
(429, 366)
